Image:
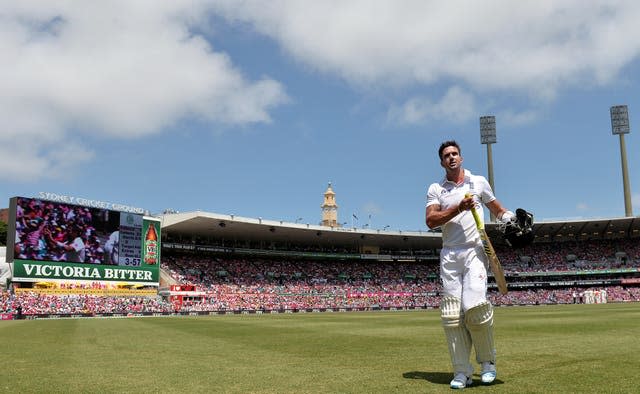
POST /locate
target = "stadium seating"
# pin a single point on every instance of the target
(232, 283)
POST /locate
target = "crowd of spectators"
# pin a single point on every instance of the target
(255, 284)
(571, 256)
(267, 284)
(233, 284)
(36, 303)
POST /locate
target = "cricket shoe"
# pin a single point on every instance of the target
(488, 374)
(461, 381)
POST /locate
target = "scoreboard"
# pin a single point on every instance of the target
(53, 240)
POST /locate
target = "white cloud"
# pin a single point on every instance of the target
(456, 106)
(117, 69)
(513, 118)
(533, 49)
(125, 69)
(493, 44)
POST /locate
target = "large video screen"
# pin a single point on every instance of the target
(56, 240)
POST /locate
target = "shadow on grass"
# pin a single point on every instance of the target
(433, 377)
(439, 377)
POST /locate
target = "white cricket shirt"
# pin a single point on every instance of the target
(460, 230)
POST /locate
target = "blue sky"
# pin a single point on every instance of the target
(251, 108)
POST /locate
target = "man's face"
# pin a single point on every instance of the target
(451, 159)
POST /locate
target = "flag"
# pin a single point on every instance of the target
(355, 217)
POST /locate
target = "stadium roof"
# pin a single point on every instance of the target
(205, 225)
(587, 229)
(233, 228)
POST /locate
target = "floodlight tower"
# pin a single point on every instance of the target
(488, 137)
(620, 126)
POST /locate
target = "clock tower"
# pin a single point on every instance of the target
(329, 208)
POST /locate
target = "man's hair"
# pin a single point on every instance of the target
(447, 144)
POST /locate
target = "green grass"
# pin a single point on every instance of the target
(545, 349)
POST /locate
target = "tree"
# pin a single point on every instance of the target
(3, 233)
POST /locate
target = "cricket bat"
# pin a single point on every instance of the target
(496, 267)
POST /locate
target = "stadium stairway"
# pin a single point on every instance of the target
(166, 279)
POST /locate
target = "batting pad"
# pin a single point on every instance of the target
(479, 321)
(457, 335)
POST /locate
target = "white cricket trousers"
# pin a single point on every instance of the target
(463, 271)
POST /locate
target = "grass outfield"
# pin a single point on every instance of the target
(545, 349)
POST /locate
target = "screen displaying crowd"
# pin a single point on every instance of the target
(52, 231)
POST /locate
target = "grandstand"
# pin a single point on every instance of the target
(566, 259)
(217, 263)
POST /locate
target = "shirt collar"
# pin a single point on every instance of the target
(467, 177)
